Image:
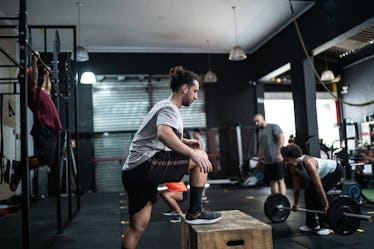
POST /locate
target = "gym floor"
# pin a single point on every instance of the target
(103, 216)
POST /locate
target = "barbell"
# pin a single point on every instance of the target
(343, 216)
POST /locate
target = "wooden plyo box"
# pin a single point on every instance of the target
(235, 230)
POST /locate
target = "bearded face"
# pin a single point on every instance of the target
(191, 94)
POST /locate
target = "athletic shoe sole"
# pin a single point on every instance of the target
(170, 214)
(202, 221)
(324, 232)
(175, 221)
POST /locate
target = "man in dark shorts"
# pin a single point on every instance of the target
(271, 139)
(46, 122)
(159, 154)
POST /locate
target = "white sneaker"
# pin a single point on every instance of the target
(324, 232)
(305, 228)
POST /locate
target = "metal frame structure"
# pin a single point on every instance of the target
(23, 38)
(45, 29)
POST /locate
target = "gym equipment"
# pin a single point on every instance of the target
(352, 189)
(40, 59)
(277, 207)
(4, 210)
(254, 176)
(252, 180)
(235, 230)
(260, 176)
(6, 53)
(344, 215)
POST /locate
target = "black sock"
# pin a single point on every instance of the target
(196, 194)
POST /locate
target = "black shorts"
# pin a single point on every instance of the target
(45, 141)
(274, 171)
(142, 181)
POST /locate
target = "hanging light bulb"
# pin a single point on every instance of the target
(88, 78)
(237, 53)
(327, 75)
(82, 54)
(210, 77)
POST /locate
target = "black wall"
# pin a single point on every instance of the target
(360, 81)
(229, 101)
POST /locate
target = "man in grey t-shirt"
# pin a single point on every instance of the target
(271, 139)
(159, 154)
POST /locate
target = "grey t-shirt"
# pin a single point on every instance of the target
(268, 139)
(145, 143)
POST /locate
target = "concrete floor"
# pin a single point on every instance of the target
(103, 216)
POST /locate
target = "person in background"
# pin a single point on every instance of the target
(271, 139)
(367, 157)
(46, 125)
(172, 196)
(319, 176)
(291, 139)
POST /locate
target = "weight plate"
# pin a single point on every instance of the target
(260, 176)
(354, 191)
(338, 222)
(272, 210)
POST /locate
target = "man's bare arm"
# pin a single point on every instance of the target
(46, 81)
(280, 143)
(34, 72)
(167, 136)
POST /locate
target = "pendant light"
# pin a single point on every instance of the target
(327, 75)
(82, 54)
(237, 53)
(210, 77)
(88, 78)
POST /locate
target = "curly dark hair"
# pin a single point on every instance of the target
(291, 151)
(180, 76)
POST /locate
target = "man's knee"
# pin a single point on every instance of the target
(138, 227)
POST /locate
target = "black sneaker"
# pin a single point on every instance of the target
(204, 217)
(7, 171)
(170, 213)
(16, 176)
(175, 219)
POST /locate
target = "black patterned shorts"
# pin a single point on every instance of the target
(142, 181)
